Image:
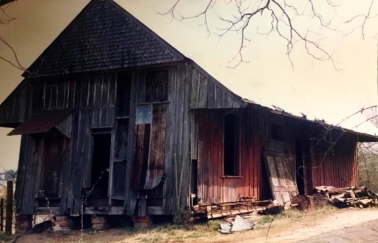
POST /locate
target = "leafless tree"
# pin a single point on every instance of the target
(4, 45)
(3, 2)
(297, 22)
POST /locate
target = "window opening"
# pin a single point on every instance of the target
(277, 132)
(231, 145)
(157, 86)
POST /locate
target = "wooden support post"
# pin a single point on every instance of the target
(2, 214)
(9, 208)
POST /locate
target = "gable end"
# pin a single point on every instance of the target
(103, 36)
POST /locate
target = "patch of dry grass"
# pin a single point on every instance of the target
(205, 232)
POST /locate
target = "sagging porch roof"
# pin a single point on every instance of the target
(360, 137)
(40, 123)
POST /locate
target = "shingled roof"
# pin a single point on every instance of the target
(103, 36)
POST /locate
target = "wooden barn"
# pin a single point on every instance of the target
(116, 120)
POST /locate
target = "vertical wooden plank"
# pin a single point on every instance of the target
(194, 136)
(130, 204)
(141, 90)
(21, 174)
(194, 89)
(105, 84)
(98, 86)
(185, 183)
(219, 97)
(178, 149)
(210, 95)
(202, 95)
(141, 156)
(157, 148)
(112, 79)
(168, 189)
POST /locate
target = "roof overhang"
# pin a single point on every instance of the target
(40, 123)
(359, 136)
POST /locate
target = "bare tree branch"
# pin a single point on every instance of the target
(3, 2)
(283, 22)
(364, 17)
(15, 63)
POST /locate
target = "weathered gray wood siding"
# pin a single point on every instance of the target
(22, 102)
(92, 98)
(208, 93)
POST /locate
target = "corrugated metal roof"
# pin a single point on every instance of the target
(40, 123)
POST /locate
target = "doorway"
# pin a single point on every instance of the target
(54, 147)
(100, 165)
(299, 166)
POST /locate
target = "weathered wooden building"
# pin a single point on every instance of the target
(114, 118)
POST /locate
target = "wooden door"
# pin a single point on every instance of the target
(54, 150)
(281, 173)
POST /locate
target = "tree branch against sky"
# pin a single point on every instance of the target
(299, 23)
(3, 2)
(6, 47)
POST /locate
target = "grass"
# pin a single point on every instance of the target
(6, 237)
(204, 232)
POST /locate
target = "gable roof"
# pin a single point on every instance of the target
(103, 36)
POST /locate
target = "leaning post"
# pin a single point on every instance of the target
(9, 208)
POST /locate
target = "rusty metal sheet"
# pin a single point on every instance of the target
(40, 123)
(155, 168)
(141, 155)
(150, 150)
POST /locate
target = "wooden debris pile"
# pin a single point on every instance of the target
(349, 196)
(244, 205)
(338, 197)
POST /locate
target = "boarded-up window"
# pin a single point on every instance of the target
(231, 145)
(157, 86)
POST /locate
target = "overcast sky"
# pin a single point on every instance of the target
(315, 88)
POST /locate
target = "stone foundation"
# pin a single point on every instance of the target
(63, 221)
(141, 221)
(100, 222)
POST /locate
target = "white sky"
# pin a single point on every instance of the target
(314, 88)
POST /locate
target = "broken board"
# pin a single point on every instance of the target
(281, 174)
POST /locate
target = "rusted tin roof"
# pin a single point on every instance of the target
(40, 123)
(360, 137)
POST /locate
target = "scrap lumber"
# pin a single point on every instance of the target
(349, 196)
(344, 197)
(242, 206)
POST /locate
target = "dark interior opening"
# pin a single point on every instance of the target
(100, 164)
(276, 132)
(157, 85)
(193, 181)
(231, 145)
(299, 166)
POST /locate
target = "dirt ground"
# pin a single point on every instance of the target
(336, 226)
(351, 225)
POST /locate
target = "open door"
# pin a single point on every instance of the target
(101, 142)
(281, 174)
